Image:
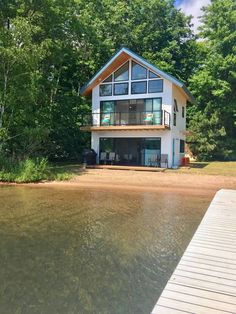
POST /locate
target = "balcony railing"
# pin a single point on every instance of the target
(160, 117)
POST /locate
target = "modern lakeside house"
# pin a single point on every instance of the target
(138, 113)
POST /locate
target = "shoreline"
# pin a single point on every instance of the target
(186, 184)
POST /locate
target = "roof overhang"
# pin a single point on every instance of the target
(120, 58)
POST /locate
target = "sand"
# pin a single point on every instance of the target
(146, 181)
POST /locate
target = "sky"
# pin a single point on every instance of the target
(192, 7)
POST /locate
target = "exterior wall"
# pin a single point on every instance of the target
(178, 131)
(166, 96)
(164, 135)
(168, 137)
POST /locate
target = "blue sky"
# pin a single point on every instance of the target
(192, 7)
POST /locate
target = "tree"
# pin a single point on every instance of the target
(214, 85)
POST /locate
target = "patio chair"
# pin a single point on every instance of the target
(103, 157)
(164, 160)
(106, 119)
(153, 161)
(117, 159)
(148, 118)
(111, 157)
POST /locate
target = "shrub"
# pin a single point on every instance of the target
(29, 170)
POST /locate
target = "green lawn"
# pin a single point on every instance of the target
(214, 168)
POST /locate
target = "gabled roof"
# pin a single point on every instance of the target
(121, 57)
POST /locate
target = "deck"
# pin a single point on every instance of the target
(124, 128)
(134, 168)
(205, 279)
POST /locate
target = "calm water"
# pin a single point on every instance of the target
(89, 251)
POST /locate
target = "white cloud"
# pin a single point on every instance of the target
(193, 7)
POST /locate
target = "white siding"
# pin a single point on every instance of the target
(170, 92)
(178, 131)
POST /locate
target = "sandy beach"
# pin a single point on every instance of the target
(146, 181)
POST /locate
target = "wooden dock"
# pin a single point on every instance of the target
(205, 279)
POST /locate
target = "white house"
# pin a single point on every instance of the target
(138, 113)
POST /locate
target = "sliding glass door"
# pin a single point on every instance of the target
(131, 151)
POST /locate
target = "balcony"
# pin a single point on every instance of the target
(143, 120)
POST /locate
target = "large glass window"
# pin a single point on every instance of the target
(138, 72)
(131, 151)
(155, 86)
(143, 81)
(122, 74)
(105, 90)
(107, 106)
(156, 104)
(153, 104)
(139, 87)
(107, 113)
(121, 89)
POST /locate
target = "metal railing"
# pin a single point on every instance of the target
(160, 117)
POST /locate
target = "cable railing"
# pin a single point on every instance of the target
(158, 117)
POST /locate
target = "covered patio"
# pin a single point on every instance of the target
(136, 152)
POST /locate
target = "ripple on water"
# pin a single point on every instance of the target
(90, 251)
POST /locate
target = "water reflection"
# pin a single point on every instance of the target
(89, 251)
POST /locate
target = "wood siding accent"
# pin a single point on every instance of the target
(121, 59)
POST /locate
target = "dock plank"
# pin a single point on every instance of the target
(204, 281)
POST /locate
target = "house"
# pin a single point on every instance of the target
(138, 113)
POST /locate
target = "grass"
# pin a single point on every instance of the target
(209, 168)
(34, 170)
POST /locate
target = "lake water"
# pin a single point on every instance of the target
(70, 250)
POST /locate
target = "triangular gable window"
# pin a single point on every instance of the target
(138, 71)
(153, 75)
(108, 79)
(175, 106)
(122, 74)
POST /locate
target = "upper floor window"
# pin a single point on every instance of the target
(105, 89)
(138, 80)
(176, 109)
(153, 75)
(139, 87)
(121, 89)
(122, 74)
(108, 79)
(155, 86)
(138, 71)
(174, 119)
(183, 111)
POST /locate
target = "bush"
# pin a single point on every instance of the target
(30, 170)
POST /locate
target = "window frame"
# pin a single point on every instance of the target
(138, 79)
(106, 84)
(128, 100)
(114, 73)
(153, 80)
(121, 83)
(138, 82)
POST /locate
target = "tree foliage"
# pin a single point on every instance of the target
(214, 84)
(50, 48)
